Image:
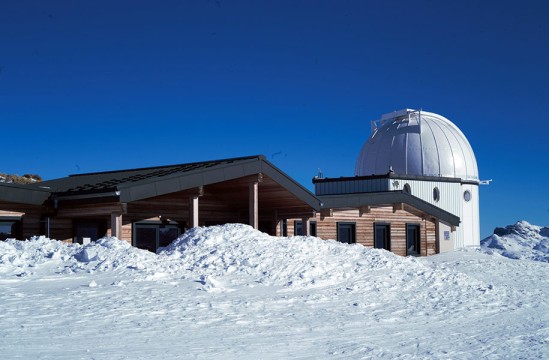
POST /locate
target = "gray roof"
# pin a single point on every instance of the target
(136, 184)
(386, 198)
(23, 194)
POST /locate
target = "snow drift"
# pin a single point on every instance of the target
(233, 292)
(519, 241)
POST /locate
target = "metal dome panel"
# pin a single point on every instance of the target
(417, 143)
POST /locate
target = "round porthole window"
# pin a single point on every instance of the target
(436, 194)
(467, 195)
(407, 189)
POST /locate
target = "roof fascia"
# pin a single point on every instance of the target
(22, 194)
(386, 198)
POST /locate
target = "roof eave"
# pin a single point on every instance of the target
(22, 194)
(387, 198)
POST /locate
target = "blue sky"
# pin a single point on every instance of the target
(102, 85)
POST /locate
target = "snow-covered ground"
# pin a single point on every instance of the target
(230, 292)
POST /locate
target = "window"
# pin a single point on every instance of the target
(467, 195)
(151, 236)
(436, 194)
(312, 228)
(382, 236)
(407, 188)
(413, 240)
(346, 232)
(298, 226)
(10, 229)
(85, 231)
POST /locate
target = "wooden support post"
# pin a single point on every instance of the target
(305, 227)
(254, 204)
(194, 208)
(116, 225)
(193, 211)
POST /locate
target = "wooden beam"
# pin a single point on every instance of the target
(93, 210)
(398, 206)
(326, 213)
(364, 210)
(254, 204)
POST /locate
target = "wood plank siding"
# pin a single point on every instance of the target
(365, 227)
(30, 217)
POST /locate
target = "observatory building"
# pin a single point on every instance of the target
(430, 158)
(426, 157)
(414, 192)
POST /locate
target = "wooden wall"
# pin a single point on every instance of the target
(30, 217)
(327, 227)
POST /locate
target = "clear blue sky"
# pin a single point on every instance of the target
(101, 85)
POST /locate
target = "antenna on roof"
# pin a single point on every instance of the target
(319, 175)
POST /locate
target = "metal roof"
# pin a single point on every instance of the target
(23, 194)
(386, 198)
(413, 142)
(136, 184)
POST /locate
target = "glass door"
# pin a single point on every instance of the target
(382, 237)
(413, 240)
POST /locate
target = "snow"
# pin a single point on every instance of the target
(233, 292)
(519, 241)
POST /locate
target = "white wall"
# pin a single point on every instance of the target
(451, 200)
(445, 237)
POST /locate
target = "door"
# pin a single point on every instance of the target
(382, 236)
(413, 240)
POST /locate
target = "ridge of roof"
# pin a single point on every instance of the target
(170, 166)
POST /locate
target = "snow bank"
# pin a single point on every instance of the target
(26, 257)
(221, 258)
(519, 241)
(295, 261)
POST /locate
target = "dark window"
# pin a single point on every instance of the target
(284, 227)
(382, 236)
(298, 228)
(267, 227)
(467, 196)
(312, 227)
(85, 231)
(10, 229)
(151, 236)
(436, 194)
(346, 232)
(413, 240)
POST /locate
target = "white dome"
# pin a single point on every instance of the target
(417, 143)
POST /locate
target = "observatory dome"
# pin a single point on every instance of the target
(411, 142)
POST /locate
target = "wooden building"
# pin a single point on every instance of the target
(392, 220)
(150, 207)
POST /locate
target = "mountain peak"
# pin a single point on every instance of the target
(519, 241)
